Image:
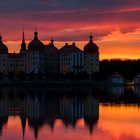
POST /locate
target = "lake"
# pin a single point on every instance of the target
(38, 113)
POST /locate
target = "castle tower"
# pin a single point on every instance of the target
(91, 52)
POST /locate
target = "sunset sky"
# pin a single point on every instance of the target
(115, 24)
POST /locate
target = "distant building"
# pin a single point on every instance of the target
(117, 78)
(38, 57)
(137, 79)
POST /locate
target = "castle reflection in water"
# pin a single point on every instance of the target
(40, 109)
(44, 106)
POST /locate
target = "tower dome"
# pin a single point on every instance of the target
(3, 47)
(36, 44)
(91, 47)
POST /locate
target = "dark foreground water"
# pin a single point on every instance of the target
(111, 113)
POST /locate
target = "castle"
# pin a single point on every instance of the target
(38, 57)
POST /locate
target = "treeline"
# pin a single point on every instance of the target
(127, 68)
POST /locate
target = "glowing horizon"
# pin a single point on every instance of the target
(122, 49)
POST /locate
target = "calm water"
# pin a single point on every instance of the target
(111, 113)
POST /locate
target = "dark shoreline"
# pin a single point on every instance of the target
(64, 83)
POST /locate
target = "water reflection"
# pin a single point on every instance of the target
(116, 91)
(43, 109)
(137, 91)
(38, 108)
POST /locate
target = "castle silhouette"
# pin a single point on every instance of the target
(38, 57)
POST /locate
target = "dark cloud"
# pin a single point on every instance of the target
(30, 5)
(69, 17)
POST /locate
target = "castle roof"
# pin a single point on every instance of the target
(91, 47)
(70, 48)
(50, 48)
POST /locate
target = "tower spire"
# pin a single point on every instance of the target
(23, 44)
(23, 38)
